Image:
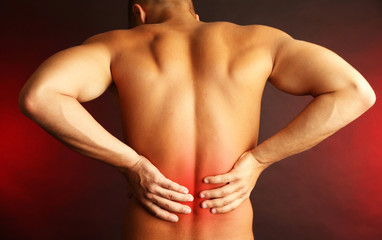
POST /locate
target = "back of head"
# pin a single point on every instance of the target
(156, 3)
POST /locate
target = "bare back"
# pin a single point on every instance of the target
(190, 95)
(190, 102)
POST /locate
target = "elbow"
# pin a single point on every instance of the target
(368, 97)
(26, 102)
(371, 98)
(365, 95)
(30, 101)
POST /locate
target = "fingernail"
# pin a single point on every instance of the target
(174, 218)
(187, 211)
(213, 211)
(185, 191)
(204, 205)
(191, 198)
(205, 180)
(202, 195)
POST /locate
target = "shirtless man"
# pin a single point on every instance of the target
(190, 95)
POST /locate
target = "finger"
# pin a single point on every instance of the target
(168, 205)
(220, 192)
(168, 184)
(224, 178)
(227, 208)
(174, 196)
(159, 212)
(220, 202)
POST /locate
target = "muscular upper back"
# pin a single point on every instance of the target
(189, 71)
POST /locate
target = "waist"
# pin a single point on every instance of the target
(237, 224)
(188, 168)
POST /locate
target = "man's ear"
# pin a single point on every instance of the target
(140, 14)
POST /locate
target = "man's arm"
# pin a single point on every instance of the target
(52, 97)
(340, 94)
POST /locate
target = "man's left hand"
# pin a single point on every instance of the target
(239, 183)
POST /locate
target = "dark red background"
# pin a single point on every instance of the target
(330, 192)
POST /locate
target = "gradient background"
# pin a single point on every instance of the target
(50, 192)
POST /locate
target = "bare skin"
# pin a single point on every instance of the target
(190, 95)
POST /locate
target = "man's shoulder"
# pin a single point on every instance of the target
(265, 31)
(251, 36)
(248, 27)
(250, 32)
(114, 40)
(107, 37)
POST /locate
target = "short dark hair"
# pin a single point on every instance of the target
(131, 16)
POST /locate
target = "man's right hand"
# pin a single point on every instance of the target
(155, 192)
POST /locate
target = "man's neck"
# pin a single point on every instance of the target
(179, 15)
